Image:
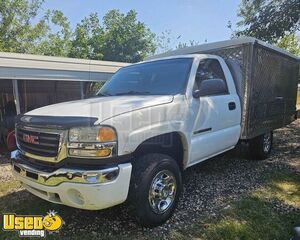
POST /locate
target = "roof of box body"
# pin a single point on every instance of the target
(219, 45)
(34, 67)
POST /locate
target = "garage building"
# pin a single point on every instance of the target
(30, 81)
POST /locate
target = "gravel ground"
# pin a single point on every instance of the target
(208, 187)
(5, 174)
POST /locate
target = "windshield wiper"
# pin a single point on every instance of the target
(132, 93)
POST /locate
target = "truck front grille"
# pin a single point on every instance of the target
(38, 143)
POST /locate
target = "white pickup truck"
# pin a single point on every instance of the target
(153, 120)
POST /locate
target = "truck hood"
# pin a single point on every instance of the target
(101, 108)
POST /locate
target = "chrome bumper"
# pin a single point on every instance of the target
(64, 174)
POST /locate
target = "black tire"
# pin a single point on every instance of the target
(145, 169)
(261, 146)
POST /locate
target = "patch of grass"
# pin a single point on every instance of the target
(270, 212)
(6, 187)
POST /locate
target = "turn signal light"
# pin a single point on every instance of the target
(106, 134)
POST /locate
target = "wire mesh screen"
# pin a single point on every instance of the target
(268, 87)
(273, 91)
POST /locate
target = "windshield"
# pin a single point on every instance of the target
(163, 77)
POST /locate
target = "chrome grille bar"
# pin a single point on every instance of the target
(46, 145)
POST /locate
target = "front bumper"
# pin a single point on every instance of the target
(86, 189)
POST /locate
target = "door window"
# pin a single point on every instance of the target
(210, 78)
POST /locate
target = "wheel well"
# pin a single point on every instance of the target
(170, 144)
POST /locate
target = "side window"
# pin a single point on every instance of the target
(210, 78)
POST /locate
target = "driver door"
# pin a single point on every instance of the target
(217, 117)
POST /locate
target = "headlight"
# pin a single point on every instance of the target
(92, 134)
(94, 142)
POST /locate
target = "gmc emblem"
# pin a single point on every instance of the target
(30, 139)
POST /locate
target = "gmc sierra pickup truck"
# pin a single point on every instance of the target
(153, 120)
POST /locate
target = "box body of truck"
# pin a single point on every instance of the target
(266, 80)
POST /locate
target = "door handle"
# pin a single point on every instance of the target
(231, 106)
(279, 98)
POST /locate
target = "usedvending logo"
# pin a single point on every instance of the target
(32, 225)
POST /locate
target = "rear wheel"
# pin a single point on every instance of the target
(155, 188)
(261, 146)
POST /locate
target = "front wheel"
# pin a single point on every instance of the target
(155, 188)
(261, 146)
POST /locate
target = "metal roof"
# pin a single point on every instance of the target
(34, 67)
(221, 44)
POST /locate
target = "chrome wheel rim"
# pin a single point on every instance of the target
(267, 142)
(162, 191)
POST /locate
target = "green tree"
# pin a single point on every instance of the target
(88, 39)
(163, 42)
(26, 28)
(166, 42)
(120, 37)
(291, 43)
(268, 20)
(22, 31)
(18, 32)
(55, 43)
(125, 38)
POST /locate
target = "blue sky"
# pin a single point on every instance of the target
(196, 20)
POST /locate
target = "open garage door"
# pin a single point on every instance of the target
(7, 110)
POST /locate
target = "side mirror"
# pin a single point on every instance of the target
(197, 93)
(211, 87)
